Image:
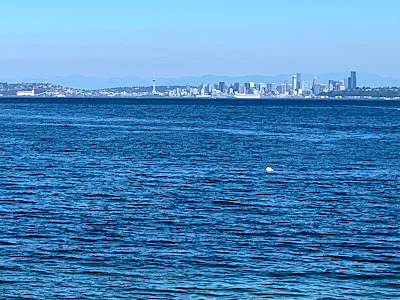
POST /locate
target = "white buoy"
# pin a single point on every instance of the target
(270, 170)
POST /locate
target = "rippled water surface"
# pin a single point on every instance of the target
(162, 199)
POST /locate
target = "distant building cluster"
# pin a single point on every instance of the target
(293, 87)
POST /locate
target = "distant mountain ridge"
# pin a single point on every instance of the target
(87, 82)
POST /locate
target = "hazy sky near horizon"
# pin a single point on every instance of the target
(45, 38)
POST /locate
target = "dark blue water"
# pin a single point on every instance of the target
(162, 199)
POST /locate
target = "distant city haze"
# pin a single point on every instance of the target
(98, 43)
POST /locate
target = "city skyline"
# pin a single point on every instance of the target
(94, 83)
(177, 39)
(292, 87)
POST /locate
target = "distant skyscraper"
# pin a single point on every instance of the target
(263, 87)
(283, 88)
(209, 89)
(294, 83)
(315, 86)
(287, 86)
(305, 86)
(298, 81)
(342, 87)
(247, 87)
(222, 87)
(331, 85)
(353, 80)
(316, 89)
(236, 87)
(315, 80)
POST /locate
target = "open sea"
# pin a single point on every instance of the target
(170, 199)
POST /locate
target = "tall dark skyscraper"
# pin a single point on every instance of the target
(236, 87)
(222, 87)
(247, 87)
(352, 81)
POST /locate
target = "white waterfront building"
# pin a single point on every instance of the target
(26, 93)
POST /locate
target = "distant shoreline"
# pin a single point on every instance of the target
(208, 99)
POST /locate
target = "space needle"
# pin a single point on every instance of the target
(154, 87)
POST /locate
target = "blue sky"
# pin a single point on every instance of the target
(44, 38)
